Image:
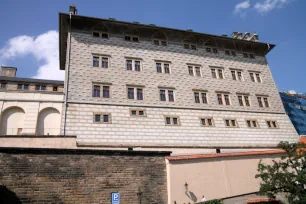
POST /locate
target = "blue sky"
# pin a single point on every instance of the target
(29, 38)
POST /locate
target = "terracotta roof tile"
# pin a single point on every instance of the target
(231, 154)
(302, 140)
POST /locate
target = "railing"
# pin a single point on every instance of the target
(30, 131)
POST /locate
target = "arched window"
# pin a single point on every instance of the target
(48, 122)
(12, 121)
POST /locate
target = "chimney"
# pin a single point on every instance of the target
(73, 10)
(254, 37)
(8, 71)
(246, 35)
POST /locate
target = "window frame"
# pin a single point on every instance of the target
(244, 103)
(162, 66)
(190, 46)
(254, 73)
(194, 70)
(200, 93)
(159, 42)
(166, 94)
(252, 124)
(263, 102)
(102, 114)
(132, 38)
(223, 99)
(236, 74)
(101, 91)
(135, 92)
(137, 112)
(100, 34)
(172, 120)
(230, 123)
(272, 127)
(134, 60)
(206, 121)
(217, 69)
(100, 61)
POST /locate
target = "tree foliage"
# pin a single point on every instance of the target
(287, 175)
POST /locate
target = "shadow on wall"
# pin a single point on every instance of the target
(192, 196)
(7, 196)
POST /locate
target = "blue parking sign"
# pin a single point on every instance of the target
(115, 198)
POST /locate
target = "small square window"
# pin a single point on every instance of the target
(141, 112)
(134, 112)
(245, 55)
(251, 56)
(19, 86)
(215, 50)
(186, 46)
(208, 49)
(127, 38)
(135, 39)
(227, 52)
(164, 43)
(26, 87)
(37, 87)
(233, 53)
(96, 34)
(193, 47)
(54, 88)
(43, 87)
(97, 118)
(156, 42)
(105, 35)
(105, 118)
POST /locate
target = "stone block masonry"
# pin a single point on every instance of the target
(82, 176)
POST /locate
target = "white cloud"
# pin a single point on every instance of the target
(268, 5)
(44, 48)
(239, 8)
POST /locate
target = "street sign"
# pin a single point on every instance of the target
(116, 198)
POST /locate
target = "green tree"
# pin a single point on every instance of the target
(287, 175)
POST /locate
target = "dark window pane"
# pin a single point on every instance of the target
(171, 96)
(252, 77)
(19, 86)
(203, 122)
(97, 118)
(186, 46)
(105, 91)
(128, 38)
(168, 121)
(141, 112)
(249, 123)
(95, 34)
(233, 53)
(43, 88)
(96, 92)
(104, 35)
(240, 100)
(226, 98)
(208, 49)
(246, 99)
(254, 123)
(251, 55)
(190, 70)
(220, 72)
(227, 123)
(227, 52)
(166, 67)
(164, 43)
(209, 121)
(215, 50)
(198, 71)
(54, 88)
(26, 87)
(104, 62)
(269, 124)
(193, 47)
(162, 94)
(233, 123)
(158, 67)
(130, 93)
(274, 124)
(266, 102)
(259, 101)
(37, 87)
(129, 65)
(233, 75)
(239, 76)
(175, 121)
(204, 98)
(105, 118)
(245, 55)
(213, 72)
(197, 97)
(139, 94)
(220, 101)
(134, 112)
(156, 42)
(95, 62)
(137, 66)
(135, 39)
(258, 78)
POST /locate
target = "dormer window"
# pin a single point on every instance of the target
(104, 35)
(96, 34)
(190, 46)
(208, 49)
(160, 42)
(100, 34)
(215, 50)
(131, 38)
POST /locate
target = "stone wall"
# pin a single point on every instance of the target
(83, 176)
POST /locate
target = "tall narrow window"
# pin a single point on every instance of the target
(226, 99)
(137, 66)
(95, 62)
(246, 100)
(19, 86)
(255, 77)
(260, 102)
(252, 77)
(196, 97)
(213, 72)
(220, 101)
(104, 62)
(220, 72)
(105, 91)
(162, 94)
(170, 96)
(198, 71)
(231, 123)
(139, 94)
(130, 93)
(129, 65)
(240, 100)
(239, 76)
(190, 69)
(266, 102)
(167, 69)
(26, 87)
(258, 77)
(158, 67)
(105, 118)
(204, 98)
(96, 91)
(168, 120)
(233, 75)
(37, 87)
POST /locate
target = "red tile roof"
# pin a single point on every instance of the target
(302, 140)
(262, 200)
(218, 155)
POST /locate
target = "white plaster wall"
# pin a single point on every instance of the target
(49, 121)
(12, 121)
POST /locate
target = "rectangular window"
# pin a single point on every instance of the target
(240, 78)
(243, 100)
(95, 62)
(220, 73)
(233, 75)
(96, 34)
(255, 77)
(43, 87)
(233, 53)
(245, 55)
(139, 94)
(204, 98)
(104, 35)
(227, 52)
(198, 71)
(172, 120)
(263, 101)
(105, 91)
(223, 99)
(104, 62)
(164, 43)
(252, 123)
(236, 75)
(272, 124)
(136, 112)
(231, 123)
(197, 97)
(130, 93)
(135, 39)
(217, 73)
(55, 88)
(166, 68)
(26, 87)
(215, 50)
(3, 85)
(156, 42)
(137, 66)
(193, 47)
(158, 67)
(251, 56)
(127, 38)
(106, 118)
(207, 122)
(162, 94)
(37, 87)
(213, 73)
(129, 65)
(131, 38)
(102, 117)
(190, 70)
(96, 91)
(97, 118)
(208, 49)
(19, 86)
(170, 96)
(186, 46)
